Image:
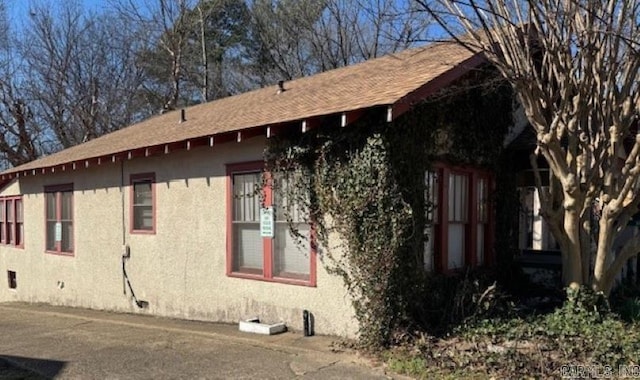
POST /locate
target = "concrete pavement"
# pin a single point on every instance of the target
(68, 343)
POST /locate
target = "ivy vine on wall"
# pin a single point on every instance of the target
(364, 185)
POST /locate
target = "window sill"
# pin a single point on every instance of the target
(279, 280)
(460, 271)
(142, 232)
(12, 246)
(289, 276)
(57, 253)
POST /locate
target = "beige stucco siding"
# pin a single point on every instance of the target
(179, 270)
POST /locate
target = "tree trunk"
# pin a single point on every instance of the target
(573, 274)
(605, 240)
(204, 89)
(585, 245)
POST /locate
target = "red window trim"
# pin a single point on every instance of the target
(57, 190)
(267, 275)
(489, 223)
(140, 177)
(441, 230)
(6, 240)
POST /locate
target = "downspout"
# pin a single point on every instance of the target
(125, 248)
(124, 232)
(126, 253)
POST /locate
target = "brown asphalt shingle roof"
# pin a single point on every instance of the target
(377, 82)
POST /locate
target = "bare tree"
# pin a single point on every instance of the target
(161, 24)
(351, 31)
(188, 47)
(574, 65)
(299, 38)
(283, 32)
(18, 132)
(80, 72)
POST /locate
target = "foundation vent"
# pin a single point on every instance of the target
(11, 276)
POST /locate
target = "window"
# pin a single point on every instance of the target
(283, 257)
(3, 231)
(457, 216)
(59, 219)
(431, 217)
(534, 232)
(11, 221)
(247, 243)
(290, 252)
(482, 218)
(142, 215)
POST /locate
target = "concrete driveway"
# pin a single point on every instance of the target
(66, 343)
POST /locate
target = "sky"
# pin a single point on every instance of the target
(18, 10)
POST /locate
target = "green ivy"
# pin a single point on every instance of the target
(365, 184)
(583, 331)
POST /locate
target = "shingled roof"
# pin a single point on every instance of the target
(396, 80)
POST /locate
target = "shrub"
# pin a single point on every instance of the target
(583, 331)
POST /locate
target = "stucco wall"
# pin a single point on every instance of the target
(180, 270)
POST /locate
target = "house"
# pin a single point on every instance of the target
(540, 256)
(154, 219)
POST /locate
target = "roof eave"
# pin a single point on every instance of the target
(405, 103)
(343, 119)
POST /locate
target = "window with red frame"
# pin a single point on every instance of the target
(458, 217)
(431, 217)
(11, 221)
(284, 257)
(59, 219)
(482, 218)
(143, 203)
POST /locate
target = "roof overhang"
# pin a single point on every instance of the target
(305, 125)
(413, 98)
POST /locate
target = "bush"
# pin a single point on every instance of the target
(449, 300)
(625, 300)
(629, 310)
(584, 331)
